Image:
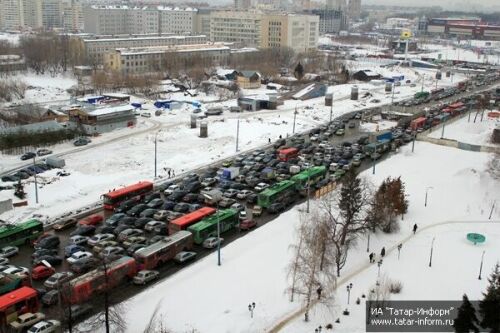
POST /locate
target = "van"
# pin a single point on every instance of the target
(334, 166)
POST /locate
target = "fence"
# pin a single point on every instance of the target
(325, 190)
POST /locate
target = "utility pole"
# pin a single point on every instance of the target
(432, 249)
(237, 133)
(413, 143)
(294, 118)
(481, 266)
(368, 243)
(331, 110)
(491, 211)
(308, 192)
(423, 79)
(442, 131)
(36, 184)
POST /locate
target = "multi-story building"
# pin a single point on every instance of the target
(354, 9)
(52, 14)
(203, 22)
(299, 32)
(239, 27)
(106, 20)
(11, 14)
(143, 20)
(73, 16)
(33, 13)
(242, 4)
(177, 20)
(96, 48)
(466, 27)
(336, 4)
(331, 20)
(149, 59)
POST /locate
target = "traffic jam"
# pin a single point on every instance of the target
(51, 275)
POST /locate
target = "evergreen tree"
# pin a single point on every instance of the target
(489, 307)
(466, 320)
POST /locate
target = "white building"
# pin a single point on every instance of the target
(177, 20)
(11, 14)
(106, 20)
(33, 13)
(52, 14)
(236, 27)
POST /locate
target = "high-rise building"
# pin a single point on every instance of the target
(354, 9)
(33, 13)
(336, 4)
(203, 22)
(236, 27)
(242, 4)
(330, 20)
(73, 16)
(52, 14)
(11, 14)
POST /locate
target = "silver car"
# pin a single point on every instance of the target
(57, 278)
(145, 276)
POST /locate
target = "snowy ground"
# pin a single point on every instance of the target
(449, 52)
(253, 267)
(130, 159)
(11, 38)
(462, 130)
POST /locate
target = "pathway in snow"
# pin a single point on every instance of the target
(288, 318)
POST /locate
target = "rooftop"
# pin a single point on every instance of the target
(109, 110)
(173, 48)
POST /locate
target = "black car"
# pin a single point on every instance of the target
(50, 298)
(181, 207)
(52, 260)
(44, 252)
(83, 230)
(151, 196)
(126, 205)
(10, 178)
(136, 210)
(28, 155)
(177, 195)
(134, 247)
(49, 242)
(190, 197)
(161, 230)
(85, 265)
(252, 198)
(155, 203)
(120, 228)
(141, 222)
(169, 205)
(276, 208)
(193, 186)
(105, 229)
(148, 212)
(21, 174)
(128, 220)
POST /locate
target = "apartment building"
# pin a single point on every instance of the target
(243, 28)
(52, 14)
(96, 48)
(177, 20)
(203, 22)
(242, 4)
(11, 14)
(149, 59)
(73, 16)
(33, 13)
(106, 20)
(354, 9)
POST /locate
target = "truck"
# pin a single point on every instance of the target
(268, 173)
(55, 162)
(256, 211)
(230, 173)
(417, 123)
(385, 136)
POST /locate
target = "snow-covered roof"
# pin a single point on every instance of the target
(224, 72)
(116, 95)
(173, 48)
(109, 110)
(107, 40)
(304, 91)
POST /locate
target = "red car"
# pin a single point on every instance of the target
(42, 236)
(91, 220)
(41, 272)
(247, 224)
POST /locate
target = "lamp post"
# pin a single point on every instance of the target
(432, 249)
(368, 243)
(36, 183)
(379, 263)
(216, 198)
(156, 151)
(251, 307)
(237, 133)
(481, 266)
(426, 190)
(399, 250)
(294, 118)
(349, 287)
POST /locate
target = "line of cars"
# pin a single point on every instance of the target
(27, 172)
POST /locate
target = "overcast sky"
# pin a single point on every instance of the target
(446, 4)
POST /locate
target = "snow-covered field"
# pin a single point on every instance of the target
(209, 298)
(471, 132)
(131, 159)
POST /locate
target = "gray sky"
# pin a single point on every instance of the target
(445, 4)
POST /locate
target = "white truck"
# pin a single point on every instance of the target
(230, 173)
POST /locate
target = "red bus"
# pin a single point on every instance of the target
(84, 286)
(160, 252)
(16, 303)
(185, 221)
(417, 123)
(113, 198)
(287, 154)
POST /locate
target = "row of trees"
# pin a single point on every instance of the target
(15, 142)
(333, 227)
(12, 89)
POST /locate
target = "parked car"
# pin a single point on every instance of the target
(142, 221)
(145, 276)
(91, 220)
(57, 279)
(136, 210)
(135, 247)
(112, 251)
(155, 203)
(152, 224)
(261, 187)
(27, 156)
(72, 248)
(78, 256)
(98, 238)
(16, 270)
(64, 224)
(49, 242)
(41, 272)
(237, 207)
(212, 242)
(276, 208)
(43, 152)
(45, 326)
(134, 240)
(9, 251)
(26, 320)
(52, 260)
(104, 244)
(84, 265)
(184, 256)
(82, 141)
(114, 219)
(83, 230)
(226, 202)
(129, 233)
(148, 212)
(247, 224)
(51, 297)
(160, 215)
(78, 240)
(4, 261)
(44, 252)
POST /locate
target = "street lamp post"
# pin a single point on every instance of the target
(481, 266)
(379, 263)
(349, 287)
(156, 152)
(432, 249)
(399, 250)
(237, 133)
(251, 307)
(294, 118)
(426, 191)
(368, 243)
(36, 183)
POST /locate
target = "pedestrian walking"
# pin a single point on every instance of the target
(415, 228)
(173, 173)
(318, 291)
(269, 140)
(382, 253)
(281, 137)
(168, 173)
(371, 257)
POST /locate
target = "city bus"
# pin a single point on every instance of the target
(183, 222)
(17, 302)
(311, 176)
(286, 154)
(160, 252)
(113, 198)
(275, 193)
(21, 233)
(207, 227)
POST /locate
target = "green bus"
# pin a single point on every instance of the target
(275, 193)
(19, 234)
(228, 219)
(311, 175)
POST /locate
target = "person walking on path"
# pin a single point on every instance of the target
(168, 173)
(415, 228)
(371, 257)
(382, 253)
(319, 290)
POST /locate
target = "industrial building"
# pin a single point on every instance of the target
(467, 28)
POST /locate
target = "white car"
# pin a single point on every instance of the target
(17, 270)
(4, 261)
(151, 225)
(9, 251)
(212, 242)
(45, 326)
(78, 240)
(261, 187)
(99, 238)
(171, 189)
(79, 256)
(243, 194)
(145, 276)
